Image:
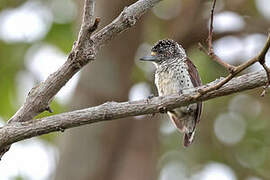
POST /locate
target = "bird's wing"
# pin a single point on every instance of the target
(196, 81)
(193, 72)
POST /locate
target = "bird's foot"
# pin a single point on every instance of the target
(162, 110)
(151, 96)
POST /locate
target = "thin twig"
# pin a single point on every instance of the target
(232, 69)
(240, 68)
(210, 51)
(216, 58)
(210, 35)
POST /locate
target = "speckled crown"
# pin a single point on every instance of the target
(169, 47)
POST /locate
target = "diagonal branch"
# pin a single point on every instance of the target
(232, 69)
(21, 126)
(127, 18)
(84, 50)
(240, 68)
(39, 98)
(18, 131)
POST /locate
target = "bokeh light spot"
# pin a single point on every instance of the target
(44, 59)
(27, 23)
(228, 21)
(139, 91)
(64, 11)
(230, 128)
(32, 159)
(245, 105)
(215, 171)
(167, 127)
(229, 48)
(173, 171)
(167, 9)
(263, 7)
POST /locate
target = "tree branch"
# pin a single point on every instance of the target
(84, 50)
(259, 58)
(21, 126)
(211, 52)
(233, 71)
(18, 131)
(127, 18)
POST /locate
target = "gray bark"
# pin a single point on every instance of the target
(83, 51)
(121, 150)
(112, 110)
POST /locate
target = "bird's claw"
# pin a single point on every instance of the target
(162, 110)
(151, 96)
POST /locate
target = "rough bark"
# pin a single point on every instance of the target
(112, 110)
(121, 150)
(83, 51)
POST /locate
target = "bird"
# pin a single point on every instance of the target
(175, 73)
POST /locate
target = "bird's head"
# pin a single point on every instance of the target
(165, 51)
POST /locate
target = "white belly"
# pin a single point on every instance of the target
(172, 83)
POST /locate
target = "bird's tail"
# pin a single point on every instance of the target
(188, 135)
(188, 138)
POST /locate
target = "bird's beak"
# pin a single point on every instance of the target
(153, 57)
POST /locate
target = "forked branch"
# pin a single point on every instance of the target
(84, 50)
(22, 126)
(233, 70)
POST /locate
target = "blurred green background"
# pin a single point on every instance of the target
(232, 139)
